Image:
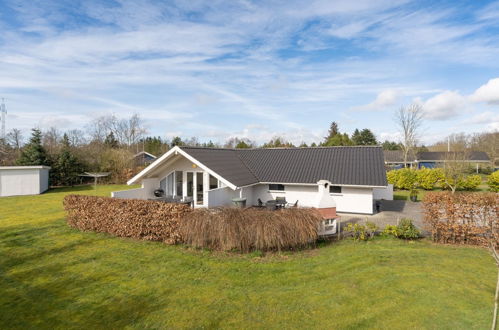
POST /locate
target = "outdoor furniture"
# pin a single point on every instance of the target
(271, 205)
(295, 204)
(239, 202)
(281, 202)
(260, 203)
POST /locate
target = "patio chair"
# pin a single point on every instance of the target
(271, 205)
(281, 201)
(259, 203)
(289, 205)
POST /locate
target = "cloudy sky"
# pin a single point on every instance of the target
(216, 69)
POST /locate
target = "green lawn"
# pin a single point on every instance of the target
(52, 276)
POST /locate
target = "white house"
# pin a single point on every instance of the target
(348, 177)
(23, 180)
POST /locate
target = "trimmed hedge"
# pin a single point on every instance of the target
(140, 219)
(464, 218)
(250, 229)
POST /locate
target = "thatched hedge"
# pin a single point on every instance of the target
(464, 218)
(249, 229)
(140, 219)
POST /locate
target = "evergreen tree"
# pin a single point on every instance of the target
(303, 145)
(367, 137)
(111, 141)
(333, 131)
(33, 153)
(278, 142)
(356, 137)
(67, 167)
(243, 145)
(339, 140)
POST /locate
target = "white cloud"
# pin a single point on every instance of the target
(444, 106)
(487, 93)
(385, 98)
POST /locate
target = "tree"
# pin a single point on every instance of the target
(67, 167)
(333, 131)
(240, 143)
(154, 145)
(34, 153)
(176, 141)
(455, 168)
(364, 137)
(111, 141)
(15, 138)
(338, 140)
(409, 120)
(278, 142)
(388, 145)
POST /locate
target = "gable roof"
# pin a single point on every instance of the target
(443, 155)
(360, 165)
(397, 156)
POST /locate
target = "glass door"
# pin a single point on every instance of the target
(199, 188)
(190, 184)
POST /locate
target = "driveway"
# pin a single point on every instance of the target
(391, 213)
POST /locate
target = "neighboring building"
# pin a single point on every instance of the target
(144, 158)
(431, 159)
(351, 178)
(23, 180)
(394, 159)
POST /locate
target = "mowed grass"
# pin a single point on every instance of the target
(52, 276)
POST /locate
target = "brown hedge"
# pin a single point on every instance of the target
(249, 229)
(140, 219)
(463, 218)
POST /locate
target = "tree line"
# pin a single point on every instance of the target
(109, 143)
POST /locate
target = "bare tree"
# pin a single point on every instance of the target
(51, 139)
(76, 137)
(409, 120)
(15, 138)
(128, 132)
(455, 168)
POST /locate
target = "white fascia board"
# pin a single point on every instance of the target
(315, 184)
(153, 165)
(175, 151)
(207, 169)
(29, 167)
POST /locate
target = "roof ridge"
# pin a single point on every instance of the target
(246, 165)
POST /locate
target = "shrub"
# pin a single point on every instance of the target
(390, 230)
(407, 179)
(140, 219)
(393, 177)
(407, 230)
(493, 181)
(362, 232)
(250, 229)
(471, 182)
(462, 217)
(429, 178)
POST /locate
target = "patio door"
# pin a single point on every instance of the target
(199, 188)
(195, 186)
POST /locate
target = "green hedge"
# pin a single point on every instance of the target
(429, 179)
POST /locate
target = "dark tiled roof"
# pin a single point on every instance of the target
(339, 165)
(397, 156)
(443, 155)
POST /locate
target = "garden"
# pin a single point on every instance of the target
(56, 276)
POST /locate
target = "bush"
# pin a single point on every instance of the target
(390, 230)
(471, 182)
(140, 219)
(493, 181)
(407, 230)
(464, 218)
(247, 230)
(362, 232)
(429, 178)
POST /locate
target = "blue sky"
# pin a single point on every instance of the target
(256, 69)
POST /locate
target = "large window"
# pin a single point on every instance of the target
(335, 189)
(276, 187)
(172, 184)
(199, 187)
(190, 184)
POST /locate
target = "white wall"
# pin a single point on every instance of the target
(354, 200)
(384, 193)
(307, 196)
(222, 197)
(138, 193)
(17, 180)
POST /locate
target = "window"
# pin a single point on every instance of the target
(178, 183)
(213, 182)
(335, 189)
(276, 187)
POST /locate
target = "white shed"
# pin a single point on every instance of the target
(23, 180)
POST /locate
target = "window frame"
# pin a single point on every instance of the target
(277, 186)
(336, 192)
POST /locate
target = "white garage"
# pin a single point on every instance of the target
(23, 180)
